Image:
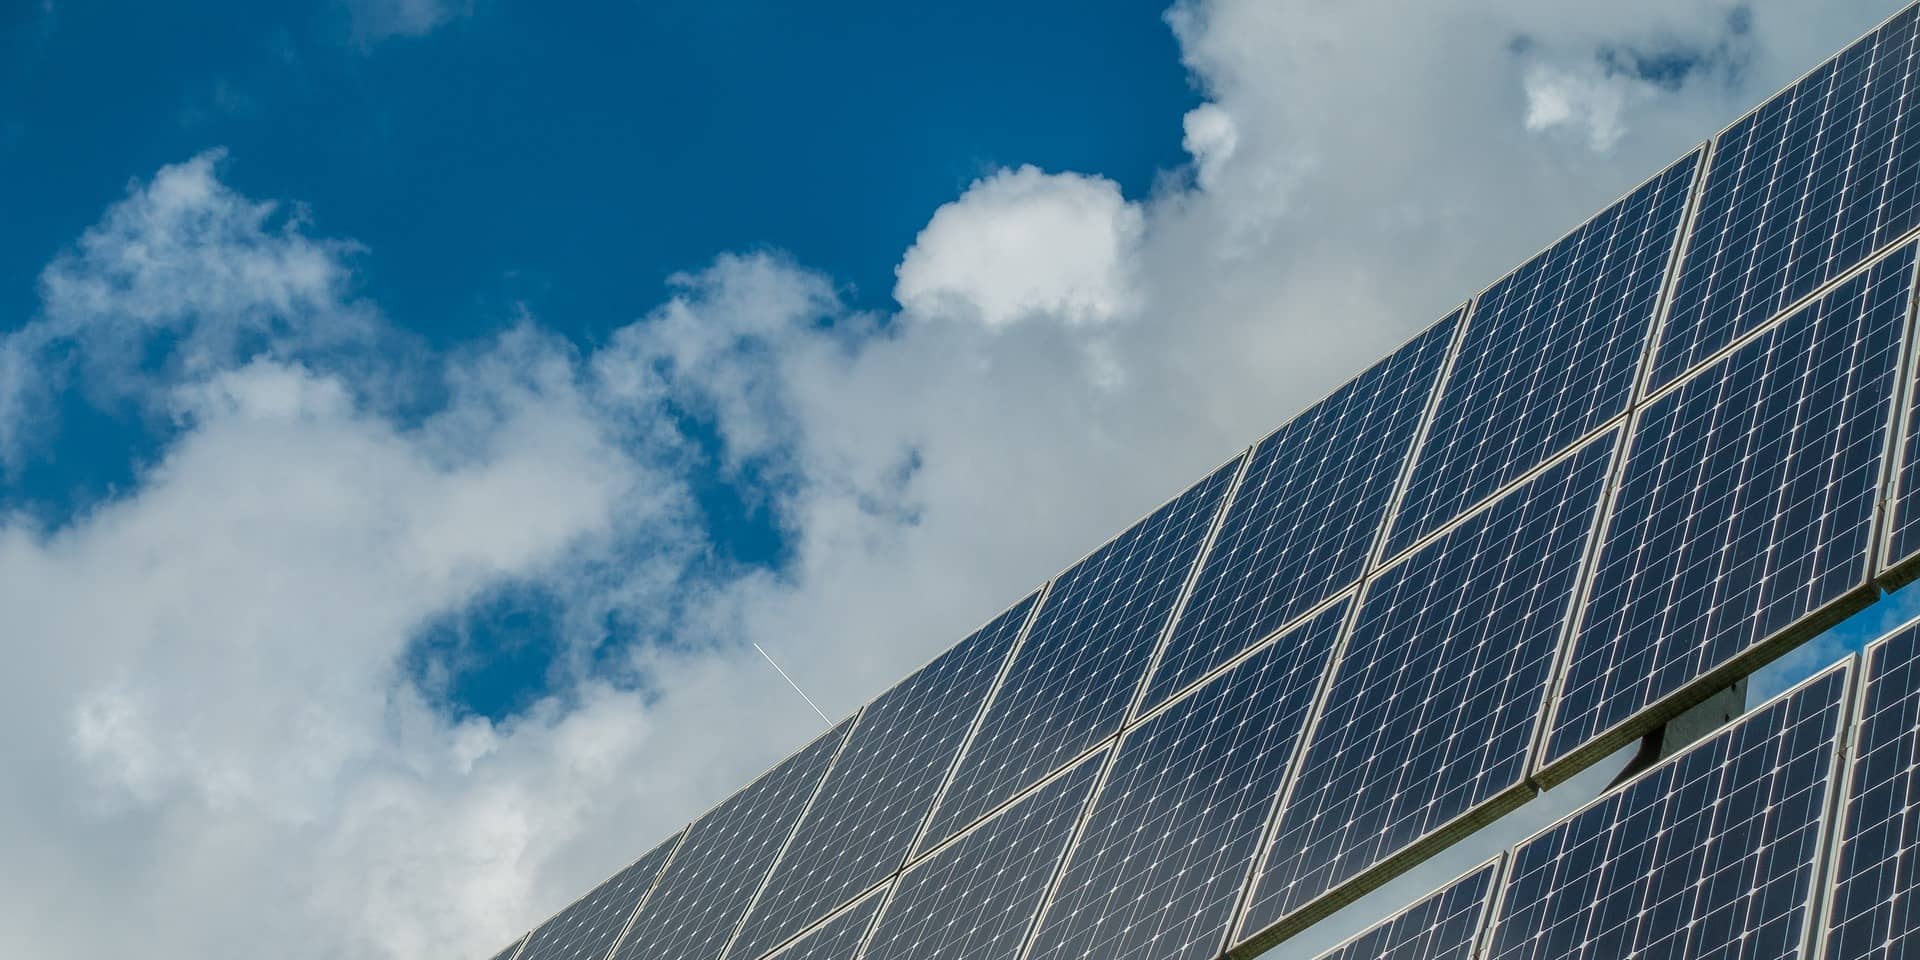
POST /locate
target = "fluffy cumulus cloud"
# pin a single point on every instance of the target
(217, 737)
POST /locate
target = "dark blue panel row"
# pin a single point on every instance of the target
(977, 898)
(1305, 517)
(586, 930)
(1076, 674)
(1443, 926)
(1439, 690)
(1167, 849)
(1550, 354)
(1747, 504)
(878, 793)
(839, 938)
(1875, 912)
(1712, 854)
(725, 856)
(1801, 190)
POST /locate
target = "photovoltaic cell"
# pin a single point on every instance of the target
(1902, 549)
(1549, 355)
(1874, 913)
(877, 795)
(1746, 506)
(1305, 516)
(838, 938)
(586, 929)
(976, 899)
(1435, 698)
(1159, 869)
(1444, 926)
(1075, 676)
(1801, 190)
(726, 854)
(1711, 854)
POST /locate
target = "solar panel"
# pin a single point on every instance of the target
(508, 953)
(1744, 516)
(1445, 925)
(881, 786)
(1873, 913)
(1435, 698)
(1304, 519)
(1075, 676)
(1901, 552)
(725, 856)
(1800, 190)
(1549, 355)
(840, 937)
(975, 899)
(586, 929)
(1713, 853)
(1158, 870)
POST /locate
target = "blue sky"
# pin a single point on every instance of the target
(513, 161)
(413, 412)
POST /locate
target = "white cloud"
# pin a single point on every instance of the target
(212, 733)
(1590, 101)
(1022, 244)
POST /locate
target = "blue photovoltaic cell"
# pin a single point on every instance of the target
(1875, 914)
(1903, 501)
(1441, 927)
(1712, 855)
(838, 938)
(876, 797)
(1076, 674)
(724, 858)
(508, 953)
(1305, 516)
(976, 899)
(1801, 190)
(1166, 851)
(1746, 505)
(1549, 355)
(1438, 690)
(586, 930)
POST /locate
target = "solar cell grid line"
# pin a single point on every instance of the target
(1443, 925)
(587, 928)
(881, 787)
(1714, 852)
(1303, 520)
(1743, 520)
(839, 937)
(1077, 673)
(1158, 868)
(1549, 355)
(975, 898)
(1425, 730)
(723, 858)
(1805, 186)
(1872, 912)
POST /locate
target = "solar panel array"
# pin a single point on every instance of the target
(1713, 853)
(1875, 910)
(1075, 676)
(588, 927)
(1550, 354)
(1746, 507)
(1676, 442)
(716, 868)
(878, 794)
(1445, 925)
(976, 898)
(840, 937)
(1436, 697)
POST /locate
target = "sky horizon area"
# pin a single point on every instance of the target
(418, 416)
